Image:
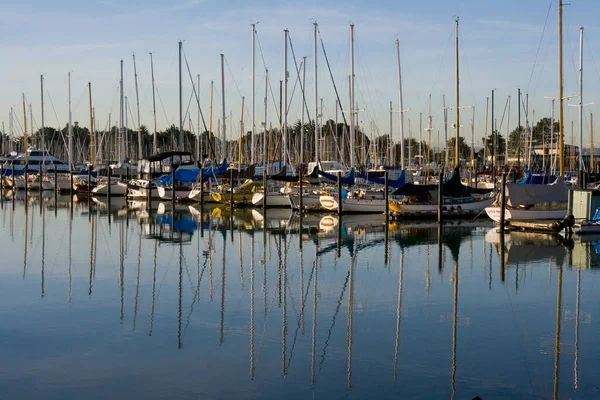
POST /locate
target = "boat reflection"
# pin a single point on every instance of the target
(523, 248)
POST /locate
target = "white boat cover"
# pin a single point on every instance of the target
(518, 195)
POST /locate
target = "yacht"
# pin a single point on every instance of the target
(34, 158)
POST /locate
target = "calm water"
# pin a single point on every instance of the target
(184, 304)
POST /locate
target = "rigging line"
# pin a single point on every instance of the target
(464, 54)
(187, 111)
(499, 128)
(369, 100)
(591, 53)
(196, 296)
(302, 311)
(337, 309)
(275, 102)
(524, 348)
(162, 106)
(303, 86)
(82, 97)
(198, 102)
(337, 95)
(267, 319)
(232, 76)
(439, 71)
(292, 94)
(537, 53)
(53, 109)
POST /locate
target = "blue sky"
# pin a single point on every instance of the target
(499, 43)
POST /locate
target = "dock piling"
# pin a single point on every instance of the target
(339, 193)
(440, 196)
(503, 203)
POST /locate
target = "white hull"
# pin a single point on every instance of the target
(524, 215)
(274, 199)
(375, 206)
(20, 184)
(166, 193)
(35, 185)
(587, 228)
(447, 208)
(63, 183)
(195, 196)
(309, 201)
(116, 189)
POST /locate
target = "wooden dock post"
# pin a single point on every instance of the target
(301, 205)
(71, 180)
(231, 191)
(41, 178)
(387, 198)
(173, 188)
(108, 183)
(201, 186)
(339, 193)
(503, 202)
(440, 196)
(264, 200)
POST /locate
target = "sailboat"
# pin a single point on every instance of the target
(529, 202)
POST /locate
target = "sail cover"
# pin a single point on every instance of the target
(518, 195)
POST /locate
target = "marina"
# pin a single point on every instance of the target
(320, 210)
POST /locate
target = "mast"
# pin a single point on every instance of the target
(285, 97)
(241, 136)
(302, 116)
(519, 127)
(122, 118)
(264, 143)
(70, 128)
(493, 136)
(223, 125)
(447, 158)
(199, 152)
(315, 28)
(507, 133)
(180, 146)
(210, 115)
(429, 129)
(92, 149)
(154, 139)
(400, 109)
(137, 100)
(352, 96)
(592, 165)
(42, 101)
(420, 138)
(457, 101)
(25, 134)
(389, 149)
(473, 141)
(252, 153)
(561, 139)
(581, 167)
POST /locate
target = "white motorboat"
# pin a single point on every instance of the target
(138, 189)
(35, 160)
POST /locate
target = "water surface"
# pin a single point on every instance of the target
(122, 302)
